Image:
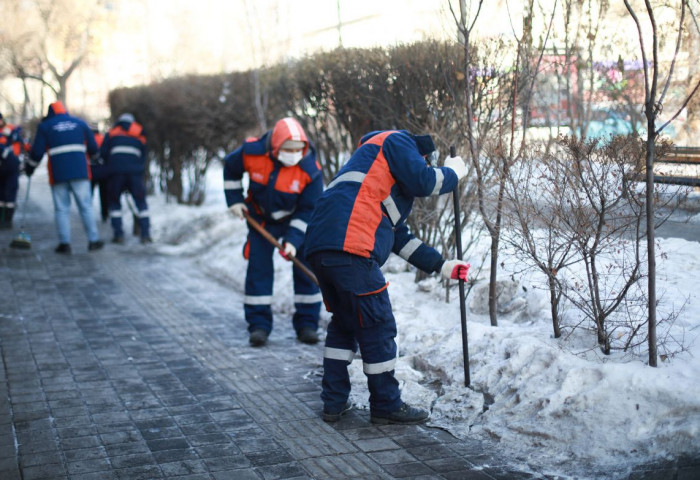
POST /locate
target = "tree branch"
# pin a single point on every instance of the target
(675, 55)
(641, 46)
(680, 109)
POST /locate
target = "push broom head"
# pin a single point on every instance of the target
(21, 241)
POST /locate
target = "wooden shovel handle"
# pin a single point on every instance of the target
(261, 230)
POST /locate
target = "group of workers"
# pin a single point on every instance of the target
(78, 158)
(344, 232)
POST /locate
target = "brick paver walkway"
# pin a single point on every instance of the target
(116, 367)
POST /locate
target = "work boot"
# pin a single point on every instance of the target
(146, 240)
(63, 248)
(406, 415)
(6, 217)
(96, 245)
(308, 335)
(330, 417)
(118, 239)
(258, 338)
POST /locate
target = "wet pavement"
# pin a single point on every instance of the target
(126, 364)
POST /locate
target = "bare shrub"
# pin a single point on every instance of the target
(572, 208)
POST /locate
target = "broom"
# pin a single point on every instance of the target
(23, 240)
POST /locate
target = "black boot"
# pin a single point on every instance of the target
(96, 245)
(258, 338)
(63, 248)
(9, 213)
(406, 415)
(308, 335)
(334, 416)
(2, 218)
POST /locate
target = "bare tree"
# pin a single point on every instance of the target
(49, 39)
(498, 143)
(539, 236)
(654, 97)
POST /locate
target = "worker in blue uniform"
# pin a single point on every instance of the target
(284, 183)
(124, 153)
(68, 144)
(10, 136)
(358, 221)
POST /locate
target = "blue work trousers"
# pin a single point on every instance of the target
(355, 292)
(9, 183)
(259, 284)
(134, 184)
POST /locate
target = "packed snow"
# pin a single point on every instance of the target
(557, 406)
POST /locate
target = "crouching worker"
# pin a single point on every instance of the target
(284, 184)
(358, 221)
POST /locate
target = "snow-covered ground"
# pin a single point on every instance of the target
(556, 404)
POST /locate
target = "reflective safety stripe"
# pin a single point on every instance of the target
(392, 210)
(6, 152)
(32, 163)
(126, 149)
(143, 214)
(257, 299)
(281, 214)
(377, 368)
(314, 298)
(439, 178)
(293, 129)
(10, 204)
(115, 214)
(347, 177)
(298, 224)
(73, 147)
(338, 354)
(233, 185)
(409, 248)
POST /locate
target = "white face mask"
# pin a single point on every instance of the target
(290, 159)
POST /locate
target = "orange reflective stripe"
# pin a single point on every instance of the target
(379, 290)
(366, 212)
(48, 166)
(246, 250)
(379, 138)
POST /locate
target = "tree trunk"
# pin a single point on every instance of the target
(554, 304)
(651, 234)
(493, 298)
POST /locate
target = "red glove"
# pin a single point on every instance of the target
(288, 251)
(455, 270)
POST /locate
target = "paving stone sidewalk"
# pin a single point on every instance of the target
(125, 364)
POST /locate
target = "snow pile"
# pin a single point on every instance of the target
(557, 404)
